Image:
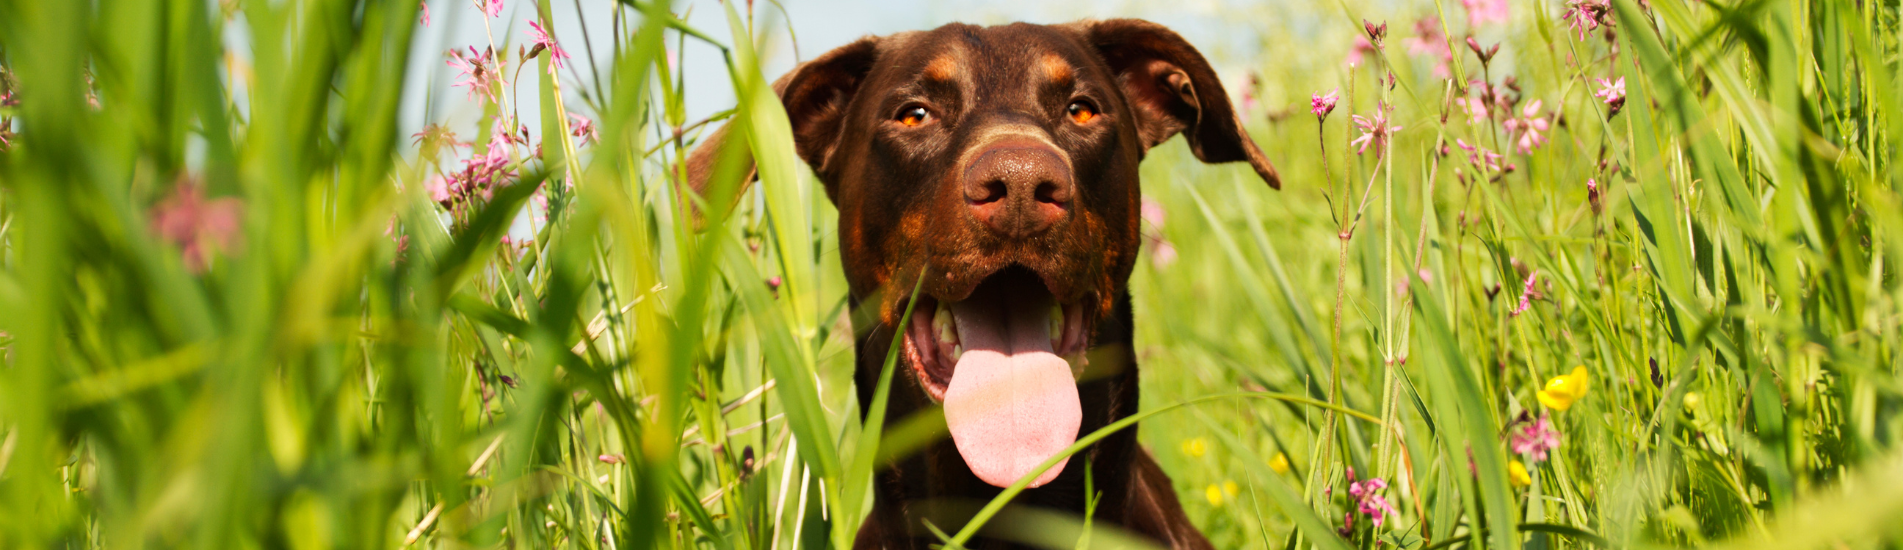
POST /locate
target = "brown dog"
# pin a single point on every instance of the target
(1001, 163)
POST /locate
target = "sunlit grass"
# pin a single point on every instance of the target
(1661, 316)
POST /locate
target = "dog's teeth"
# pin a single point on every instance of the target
(1079, 362)
(943, 325)
(1057, 326)
(957, 352)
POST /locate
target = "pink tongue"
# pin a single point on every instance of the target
(1012, 403)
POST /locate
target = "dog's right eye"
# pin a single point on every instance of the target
(914, 116)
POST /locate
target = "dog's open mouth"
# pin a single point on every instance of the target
(997, 360)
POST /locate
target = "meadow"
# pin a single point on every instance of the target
(1543, 273)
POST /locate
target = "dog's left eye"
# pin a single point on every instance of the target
(914, 116)
(1081, 112)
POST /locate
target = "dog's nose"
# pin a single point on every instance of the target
(1019, 189)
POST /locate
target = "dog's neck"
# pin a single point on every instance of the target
(936, 484)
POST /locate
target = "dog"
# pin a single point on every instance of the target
(1000, 165)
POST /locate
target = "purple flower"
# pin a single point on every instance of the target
(1368, 499)
(1163, 253)
(582, 128)
(1487, 161)
(1613, 93)
(1482, 11)
(1375, 129)
(1152, 211)
(438, 188)
(1362, 48)
(542, 40)
(477, 71)
(1536, 438)
(1526, 293)
(1585, 15)
(1428, 40)
(1321, 105)
(197, 225)
(1527, 127)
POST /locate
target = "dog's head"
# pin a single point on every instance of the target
(1000, 163)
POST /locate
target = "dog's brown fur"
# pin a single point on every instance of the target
(903, 211)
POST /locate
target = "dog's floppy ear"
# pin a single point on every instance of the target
(815, 94)
(1173, 89)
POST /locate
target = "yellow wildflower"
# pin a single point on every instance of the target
(1279, 463)
(1195, 447)
(1517, 473)
(1691, 400)
(1562, 391)
(1214, 494)
(1229, 489)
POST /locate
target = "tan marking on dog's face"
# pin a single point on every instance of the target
(942, 68)
(1056, 69)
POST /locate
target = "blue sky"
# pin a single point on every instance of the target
(819, 25)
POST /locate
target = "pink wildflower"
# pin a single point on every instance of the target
(1528, 127)
(1613, 93)
(542, 39)
(1428, 40)
(1586, 15)
(1368, 499)
(438, 188)
(1536, 439)
(491, 8)
(1526, 293)
(1152, 211)
(1374, 130)
(582, 128)
(1486, 161)
(1476, 109)
(1482, 11)
(1321, 105)
(197, 225)
(425, 6)
(1362, 48)
(1163, 254)
(478, 71)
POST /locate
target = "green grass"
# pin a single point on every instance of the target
(352, 365)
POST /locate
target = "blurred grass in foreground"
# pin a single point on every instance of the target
(240, 310)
